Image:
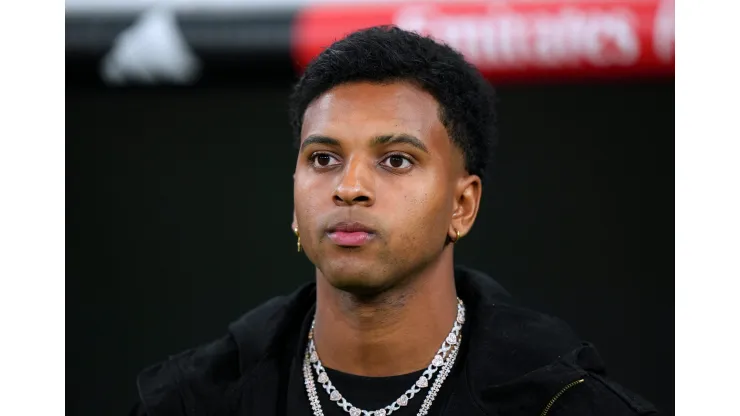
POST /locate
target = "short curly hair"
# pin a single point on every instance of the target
(385, 54)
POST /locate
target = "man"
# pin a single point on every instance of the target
(394, 132)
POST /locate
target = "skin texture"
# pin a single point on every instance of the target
(385, 307)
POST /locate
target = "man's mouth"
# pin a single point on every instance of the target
(350, 234)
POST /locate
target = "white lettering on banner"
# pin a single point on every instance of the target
(664, 35)
(504, 38)
(611, 40)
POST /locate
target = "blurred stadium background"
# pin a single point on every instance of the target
(179, 164)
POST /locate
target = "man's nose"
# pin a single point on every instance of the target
(355, 184)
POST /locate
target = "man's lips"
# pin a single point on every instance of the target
(350, 234)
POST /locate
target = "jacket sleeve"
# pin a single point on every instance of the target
(601, 396)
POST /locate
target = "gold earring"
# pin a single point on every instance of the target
(457, 236)
(295, 230)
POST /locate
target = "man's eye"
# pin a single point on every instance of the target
(323, 160)
(397, 162)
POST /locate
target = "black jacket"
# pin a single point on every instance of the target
(518, 362)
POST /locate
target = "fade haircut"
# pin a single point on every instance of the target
(387, 54)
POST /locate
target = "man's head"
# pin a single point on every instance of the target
(395, 132)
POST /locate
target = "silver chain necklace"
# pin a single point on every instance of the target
(444, 359)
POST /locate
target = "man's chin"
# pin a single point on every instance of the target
(359, 281)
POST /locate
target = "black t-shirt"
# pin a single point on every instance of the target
(372, 393)
(369, 393)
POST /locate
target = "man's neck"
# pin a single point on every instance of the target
(394, 333)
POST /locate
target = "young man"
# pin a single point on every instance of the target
(394, 133)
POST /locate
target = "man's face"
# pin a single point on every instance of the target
(375, 184)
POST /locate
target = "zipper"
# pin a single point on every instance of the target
(560, 393)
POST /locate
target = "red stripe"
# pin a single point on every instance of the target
(514, 40)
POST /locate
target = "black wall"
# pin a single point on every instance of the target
(180, 201)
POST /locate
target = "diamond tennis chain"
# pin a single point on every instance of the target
(444, 359)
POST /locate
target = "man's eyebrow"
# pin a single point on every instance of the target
(400, 138)
(319, 139)
(376, 141)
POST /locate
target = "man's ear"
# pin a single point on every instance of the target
(468, 193)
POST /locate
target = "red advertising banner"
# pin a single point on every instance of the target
(517, 40)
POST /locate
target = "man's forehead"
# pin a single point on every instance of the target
(369, 109)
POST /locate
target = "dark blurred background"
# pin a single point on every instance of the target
(179, 202)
